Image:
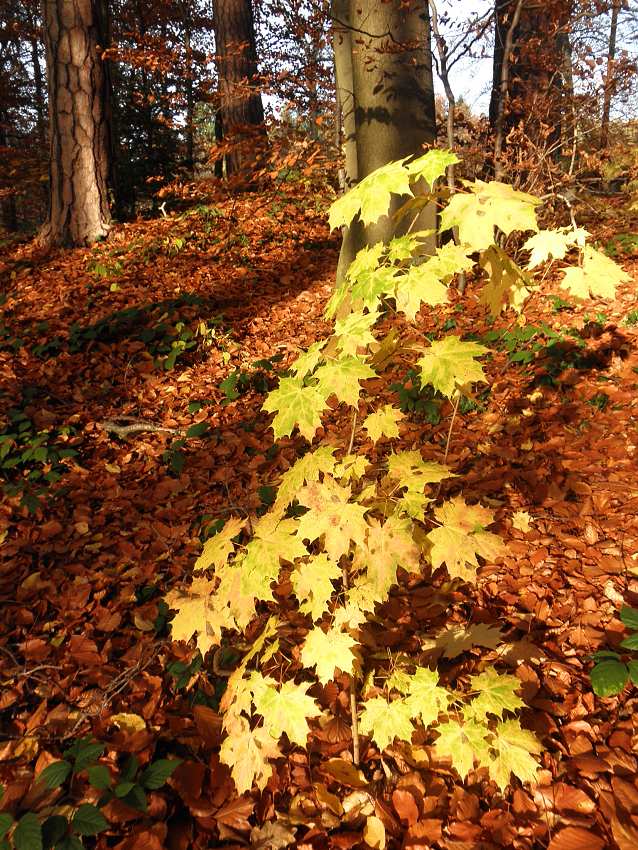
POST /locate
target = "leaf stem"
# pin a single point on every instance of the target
(449, 437)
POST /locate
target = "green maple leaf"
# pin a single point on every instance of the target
(383, 423)
(217, 548)
(333, 515)
(353, 331)
(388, 547)
(196, 614)
(303, 471)
(233, 602)
(507, 285)
(426, 699)
(312, 584)
(247, 752)
(464, 744)
(371, 285)
(384, 721)
(274, 539)
(286, 711)
(488, 206)
(419, 285)
(553, 244)
(371, 197)
(327, 652)
(351, 467)
(450, 364)
(599, 276)
(496, 694)
(341, 378)
(295, 404)
(339, 295)
(460, 538)
(308, 360)
(403, 247)
(450, 259)
(411, 471)
(514, 748)
(432, 165)
(412, 504)
(367, 260)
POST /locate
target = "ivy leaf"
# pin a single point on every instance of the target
(286, 711)
(371, 197)
(217, 548)
(293, 405)
(460, 538)
(507, 284)
(426, 699)
(554, 244)
(599, 276)
(419, 285)
(274, 540)
(464, 743)
(247, 752)
(387, 547)
(305, 470)
(384, 721)
(383, 423)
(432, 165)
(488, 206)
(450, 364)
(196, 615)
(514, 748)
(307, 361)
(328, 651)
(353, 331)
(333, 515)
(496, 694)
(312, 584)
(341, 378)
(411, 471)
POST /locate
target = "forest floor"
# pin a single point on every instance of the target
(181, 323)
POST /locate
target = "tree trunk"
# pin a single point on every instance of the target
(609, 75)
(393, 97)
(78, 121)
(240, 101)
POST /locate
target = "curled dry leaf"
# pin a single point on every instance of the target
(576, 838)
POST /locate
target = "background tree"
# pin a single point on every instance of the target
(78, 123)
(241, 107)
(384, 70)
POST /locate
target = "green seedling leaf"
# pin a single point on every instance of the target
(341, 378)
(28, 833)
(88, 820)
(609, 677)
(431, 165)
(54, 829)
(496, 694)
(629, 617)
(55, 774)
(156, 774)
(99, 777)
(198, 429)
(370, 199)
(631, 642)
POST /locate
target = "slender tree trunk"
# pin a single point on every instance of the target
(499, 126)
(8, 208)
(393, 98)
(78, 124)
(609, 75)
(240, 100)
(38, 82)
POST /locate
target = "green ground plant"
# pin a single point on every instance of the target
(344, 531)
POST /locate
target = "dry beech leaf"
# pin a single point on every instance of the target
(344, 772)
(271, 836)
(625, 834)
(405, 806)
(576, 838)
(626, 794)
(374, 832)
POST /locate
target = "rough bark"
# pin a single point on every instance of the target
(393, 98)
(609, 74)
(241, 106)
(78, 123)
